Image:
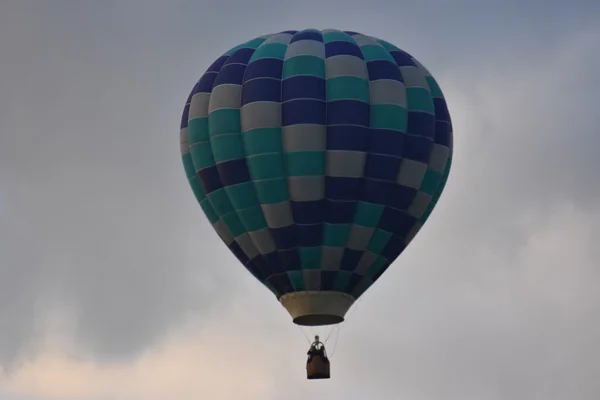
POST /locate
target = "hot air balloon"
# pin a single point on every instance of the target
(317, 156)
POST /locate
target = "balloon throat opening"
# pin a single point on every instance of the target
(317, 308)
(318, 320)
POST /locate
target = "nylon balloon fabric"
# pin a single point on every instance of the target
(317, 156)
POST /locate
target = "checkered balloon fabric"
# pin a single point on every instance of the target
(316, 156)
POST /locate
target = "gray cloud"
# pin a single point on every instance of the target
(98, 211)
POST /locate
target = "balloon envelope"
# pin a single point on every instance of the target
(316, 156)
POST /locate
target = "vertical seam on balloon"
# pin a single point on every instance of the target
(185, 135)
(229, 197)
(448, 165)
(269, 229)
(278, 288)
(325, 153)
(223, 187)
(434, 196)
(389, 262)
(206, 197)
(283, 158)
(362, 187)
(283, 152)
(212, 152)
(237, 212)
(361, 184)
(441, 187)
(287, 171)
(285, 166)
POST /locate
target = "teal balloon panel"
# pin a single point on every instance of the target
(317, 156)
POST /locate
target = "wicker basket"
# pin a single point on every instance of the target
(317, 368)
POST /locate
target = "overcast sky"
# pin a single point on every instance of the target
(114, 287)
